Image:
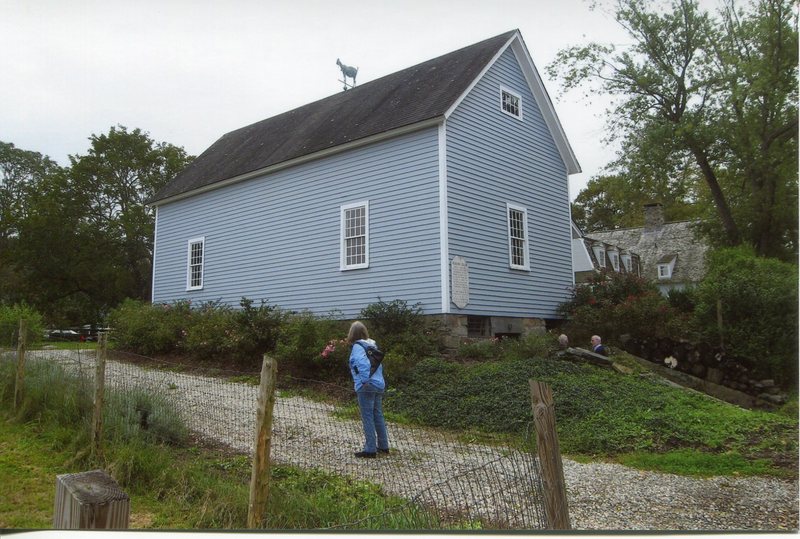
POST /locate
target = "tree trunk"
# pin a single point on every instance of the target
(731, 230)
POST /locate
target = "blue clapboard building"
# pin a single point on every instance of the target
(444, 184)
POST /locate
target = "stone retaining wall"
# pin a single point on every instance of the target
(710, 364)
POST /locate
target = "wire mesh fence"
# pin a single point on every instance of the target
(447, 479)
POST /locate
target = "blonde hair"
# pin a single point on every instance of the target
(358, 331)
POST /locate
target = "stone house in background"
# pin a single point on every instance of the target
(671, 254)
(591, 256)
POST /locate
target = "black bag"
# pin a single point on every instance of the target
(374, 355)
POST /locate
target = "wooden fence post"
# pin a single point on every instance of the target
(90, 500)
(99, 395)
(555, 491)
(22, 343)
(259, 480)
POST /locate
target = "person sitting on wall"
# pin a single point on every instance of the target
(597, 346)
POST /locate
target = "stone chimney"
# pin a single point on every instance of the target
(653, 217)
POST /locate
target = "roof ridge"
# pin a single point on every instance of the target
(351, 93)
(411, 96)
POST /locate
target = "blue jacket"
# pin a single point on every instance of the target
(359, 368)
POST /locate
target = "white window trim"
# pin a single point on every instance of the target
(614, 257)
(525, 254)
(505, 89)
(666, 269)
(343, 266)
(600, 255)
(202, 241)
(626, 262)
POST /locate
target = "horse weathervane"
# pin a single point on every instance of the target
(347, 71)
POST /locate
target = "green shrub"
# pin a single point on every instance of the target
(406, 330)
(258, 328)
(479, 349)
(50, 393)
(10, 315)
(683, 300)
(758, 297)
(613, 304)
(149, 329)
(303, 340)
(528, 346)
(210, 332)
(144, 415)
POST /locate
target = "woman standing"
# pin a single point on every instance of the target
(370, 390)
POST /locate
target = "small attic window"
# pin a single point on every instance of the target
(511, 103)
(614, 257)
(600, 254)
(626, 261)
(665, 266)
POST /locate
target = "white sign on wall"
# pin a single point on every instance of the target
(459, 282)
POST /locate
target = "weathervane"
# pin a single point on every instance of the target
(347, 71)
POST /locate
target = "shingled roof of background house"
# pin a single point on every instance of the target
(416, 94)
(660, 244)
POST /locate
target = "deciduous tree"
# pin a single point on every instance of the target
(712, 98)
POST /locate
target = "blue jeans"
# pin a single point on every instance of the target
(370, 402)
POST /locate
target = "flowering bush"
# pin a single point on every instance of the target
(334, 349)
(612, 304)
(303, 341)
(401, 328)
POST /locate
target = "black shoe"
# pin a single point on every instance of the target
(365, 455)
(385, 451)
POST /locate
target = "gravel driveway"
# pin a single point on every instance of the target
(601, 496)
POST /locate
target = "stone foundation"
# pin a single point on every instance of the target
(457, 327)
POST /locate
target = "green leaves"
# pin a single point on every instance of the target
(709, 99)
(75, 241)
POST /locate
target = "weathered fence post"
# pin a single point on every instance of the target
(90, 500)
(22, 343)
(259, 480)
(99, 394)
(555, 492)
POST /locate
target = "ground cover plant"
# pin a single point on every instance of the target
(602, 414)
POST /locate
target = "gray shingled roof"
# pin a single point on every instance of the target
(664, 242)
(407, 97)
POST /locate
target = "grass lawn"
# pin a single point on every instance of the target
(28, 468)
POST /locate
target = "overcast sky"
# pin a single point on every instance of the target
(188, 72)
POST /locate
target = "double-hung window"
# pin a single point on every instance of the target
(355, 236)
(518, 237)
(194, 264)
(511, 103)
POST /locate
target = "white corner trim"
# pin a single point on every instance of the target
(545, 105)
(155, 246)
(483, 72)
(444, 251)
(539, 94)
